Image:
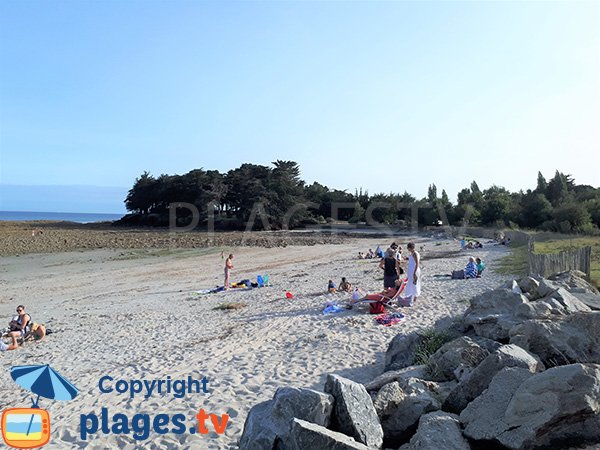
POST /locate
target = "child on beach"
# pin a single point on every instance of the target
(331, 287)
(345, 286)
(228, 267)
(480, 267)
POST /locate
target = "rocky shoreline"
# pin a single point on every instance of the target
(18, 238)
(520, 370)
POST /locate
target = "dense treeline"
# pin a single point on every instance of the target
(275, 197)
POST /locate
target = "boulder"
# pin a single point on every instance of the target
(388, 398)
(396, 375)
(529, 285)
(269, 422)
(438, 430)
(563, 340)
(420, 397)
(354, 413)
(470, 388)
(483, 418)
(592, 301)
(574, 281)
(570, 303)
(456, 359)
(494, 313)
(401, 350)
(305, 435)
(558, 407)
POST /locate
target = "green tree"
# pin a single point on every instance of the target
(143, 195)
(535, 209)
(571, 217)
(496, 205)
(542, 184)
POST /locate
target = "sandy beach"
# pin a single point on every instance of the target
(132, 314)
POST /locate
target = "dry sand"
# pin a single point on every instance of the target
(131, 314)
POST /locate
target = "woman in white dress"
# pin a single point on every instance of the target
(413, 285)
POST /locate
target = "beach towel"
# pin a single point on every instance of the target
(333, 308)
(389, 319)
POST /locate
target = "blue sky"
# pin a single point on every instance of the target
(390, 96)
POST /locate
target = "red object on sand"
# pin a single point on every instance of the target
(289, 295)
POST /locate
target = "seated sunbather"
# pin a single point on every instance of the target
(480, 267)
(331, 287)
(20, 325)
(471, 268)
(345, 286)
(387, 293)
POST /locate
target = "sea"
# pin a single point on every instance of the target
(59, 216)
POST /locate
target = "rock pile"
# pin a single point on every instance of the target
(520, 370)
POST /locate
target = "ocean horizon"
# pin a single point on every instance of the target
(18, 216)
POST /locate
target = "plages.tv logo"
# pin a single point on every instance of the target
(30, 427)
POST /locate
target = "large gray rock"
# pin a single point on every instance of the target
(456, 359)
(530, 285)
(420, 397)
(570, 303)
(470, 388)
(483, 418)
(564, 340)
(401, 351)
(437, 430)
(305, 435)
(268, 423)
(555, 408)
(354, 413)
(574, 281)
(592, 301)
(396, 375)
(388, 398)
(494, 313)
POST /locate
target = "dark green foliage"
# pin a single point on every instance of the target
(253, 196)
(431, 342)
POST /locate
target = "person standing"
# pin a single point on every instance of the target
(413, 285)
(391, 268)
(228, 267)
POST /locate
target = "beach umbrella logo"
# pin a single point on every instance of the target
(30, 427)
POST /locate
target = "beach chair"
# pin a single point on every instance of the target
(379, 301)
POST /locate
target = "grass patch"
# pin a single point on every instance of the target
(230, 306)
(515, 263)
(432, 340)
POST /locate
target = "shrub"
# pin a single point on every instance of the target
(432, 340)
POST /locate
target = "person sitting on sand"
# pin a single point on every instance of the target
(370, 254)
(331, 287)
(480, 267)
(471, 268)
(469, 245)
(345, 286)
(360, 255)
(478, 244)
(20, 325)
(38, 332)
(379, 252)
(12, 346)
